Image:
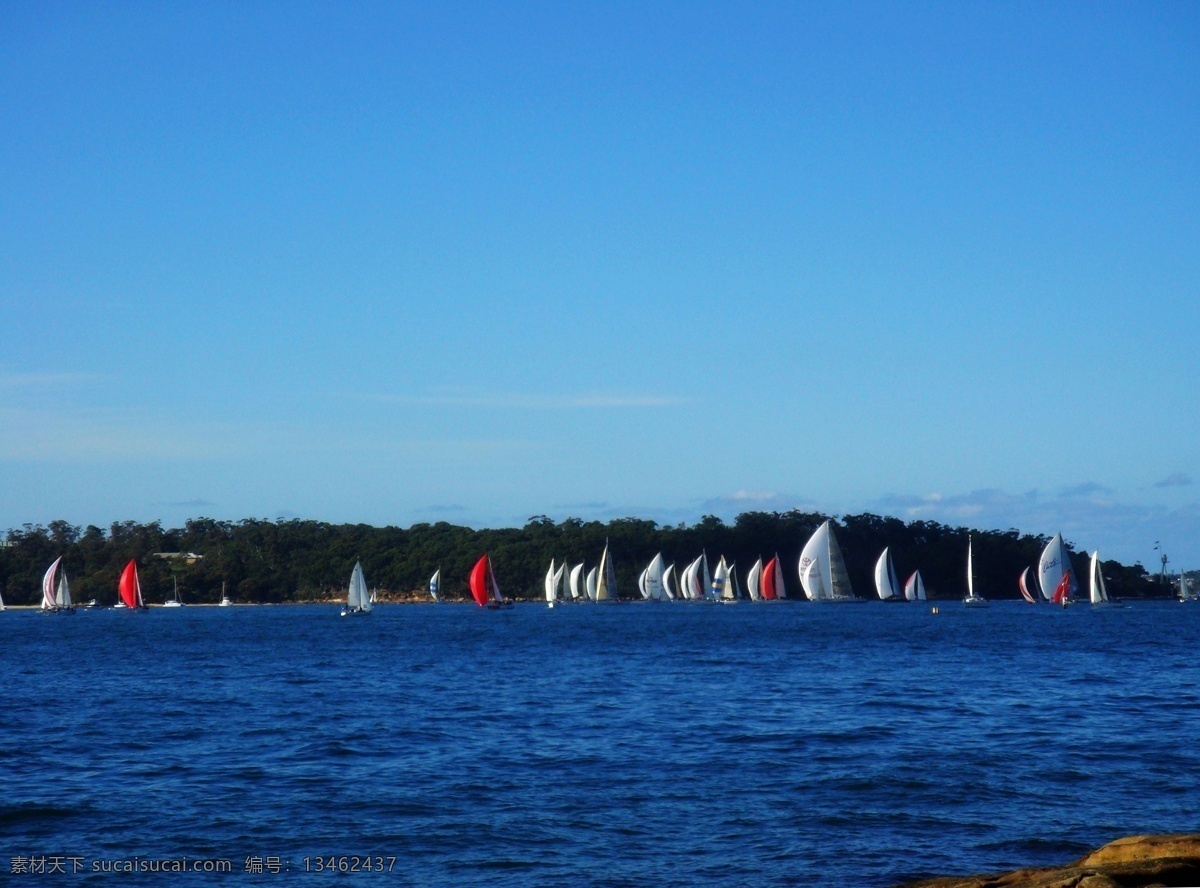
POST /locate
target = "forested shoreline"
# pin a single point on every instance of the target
(262, 561)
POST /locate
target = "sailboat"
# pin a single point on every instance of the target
(225, 602)
(484, 588)
(606, 578)
(577, 592)
(1023, 585)
(174, 601)
(1054, 572)
(754, 581)
(358, 599)
(589, 584)
(56, 593)
(972, 600)
(914, 587)
(435, 585)
(1097, 593)
(551, 584)
(129, 589)
(772, 581)
(1183, 590)
(886, 583)
(822, 568)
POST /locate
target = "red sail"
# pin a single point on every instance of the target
(768, 580)
(128, 587)
(479, 581)
(1064, 588)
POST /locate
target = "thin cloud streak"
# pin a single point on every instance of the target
(1178, 479)
(522, 401)
(42, 380)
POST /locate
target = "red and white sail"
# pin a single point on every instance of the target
(1023, 585)
(50, 586)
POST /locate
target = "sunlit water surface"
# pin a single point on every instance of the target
(634, 744)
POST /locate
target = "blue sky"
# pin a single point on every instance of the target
(475, 262)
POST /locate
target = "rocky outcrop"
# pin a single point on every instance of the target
(1133, 862)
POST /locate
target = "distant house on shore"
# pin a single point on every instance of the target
(186, 557)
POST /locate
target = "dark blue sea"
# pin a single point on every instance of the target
(634, 744)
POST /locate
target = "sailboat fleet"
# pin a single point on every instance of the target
(821, 570)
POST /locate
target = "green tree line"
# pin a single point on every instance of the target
(295, 560)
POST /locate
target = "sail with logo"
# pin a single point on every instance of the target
(822, 568)
(1055, 575)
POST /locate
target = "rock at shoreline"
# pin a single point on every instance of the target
(1171, 861)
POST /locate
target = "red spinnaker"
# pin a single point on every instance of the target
(1064, 588)
(128, 587)
(768, 580)
(479, 581)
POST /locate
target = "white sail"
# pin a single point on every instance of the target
(1097, 593)
(560, 582)
(914, 588)
(357, 597)
(590, 584)
(576, 572)
(970, 570)
(548, 584)
(654, 579)
(491, 575)
(63, 594)
(606, 578)
(1054, 564)
(435, 585)
(1183, 590)
(668, 577)
(706, 587)
(642, 583)
(822, 568)
(753, 580)
(50, 587)
(886, 583)
(697, 590)
(972, 600)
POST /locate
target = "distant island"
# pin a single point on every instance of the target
(266, 561)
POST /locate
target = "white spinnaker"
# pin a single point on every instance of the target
(668, 577)
(576, 589)
(814, 565)
(914, 588)
(753, 580)
(886, 583)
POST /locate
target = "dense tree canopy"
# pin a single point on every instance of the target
(273, 561)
